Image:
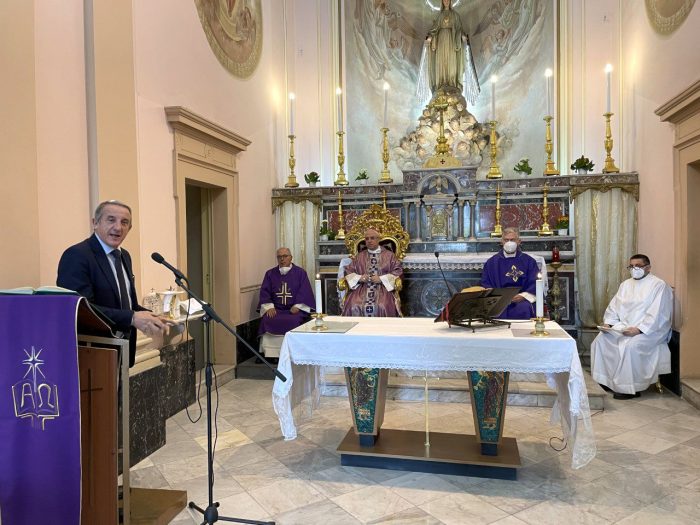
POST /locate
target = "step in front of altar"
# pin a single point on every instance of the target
(523, 389)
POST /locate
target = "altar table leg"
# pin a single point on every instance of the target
(489, 392)
(367, 394)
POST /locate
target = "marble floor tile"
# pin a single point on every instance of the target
(643, 441)
(556, 512)
(419, 488)
(414, 516)
(647, 468)
(285, 495)
(372, 503)
(462, 509)
(320, 512)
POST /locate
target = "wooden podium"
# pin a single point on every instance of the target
(102, 442)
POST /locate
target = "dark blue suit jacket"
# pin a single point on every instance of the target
(85, 269)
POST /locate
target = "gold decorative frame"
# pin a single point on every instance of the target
(388, 226)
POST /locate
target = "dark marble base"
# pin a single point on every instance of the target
(157, 394)
(249, 332)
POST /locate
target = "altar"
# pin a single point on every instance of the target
(424, 347)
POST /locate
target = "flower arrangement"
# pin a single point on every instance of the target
(362, 175)
(563, 222)
(582, 164)
(325, 231)
(523, 166)
(312, 177)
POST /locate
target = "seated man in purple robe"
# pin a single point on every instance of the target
(371, 278)
(511, 267)
(285, 296)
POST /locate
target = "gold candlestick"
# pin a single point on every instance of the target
(539, 330)
(292, 179)
(341, 231)
(442, 157)
(340, 177)
(550, 167)
(497, 229)
(609, 161)
(385, 178)
(318, 322)
(494, 170)
(545, 230)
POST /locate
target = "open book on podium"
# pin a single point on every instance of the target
(477, 307)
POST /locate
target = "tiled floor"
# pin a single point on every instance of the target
(647, 469)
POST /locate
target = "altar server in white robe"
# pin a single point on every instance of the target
(630, 356)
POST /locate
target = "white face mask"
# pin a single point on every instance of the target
(285, 269)
(637, 273)
(510, 246)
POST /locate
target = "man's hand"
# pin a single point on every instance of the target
(631, 331)
(271, 312)
(375, 279)
(518, 298)
(148, 323)
(294, 310)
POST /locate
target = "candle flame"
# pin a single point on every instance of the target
(494, 78)
(338, 91)
(548, 72)
(539, 276)
(386, 86)
(292, 96)
(318, 276)
(608, 68)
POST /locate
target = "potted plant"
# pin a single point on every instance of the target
(312, 178)
(563, 225)
(362, 177)
(325, 233)
(523, 167)
(582, 165)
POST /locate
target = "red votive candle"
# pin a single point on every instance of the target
(555, 253)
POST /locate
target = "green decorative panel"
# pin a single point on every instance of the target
(363, 386)
(489, 391)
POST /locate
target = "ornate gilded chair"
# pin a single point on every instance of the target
(392, 234)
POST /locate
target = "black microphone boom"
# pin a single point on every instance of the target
(160, 260)
(447, 284)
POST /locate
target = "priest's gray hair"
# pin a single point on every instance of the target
(512, 229)
(101, 208)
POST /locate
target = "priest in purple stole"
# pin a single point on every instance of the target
(511, 267)
(285, 296)
(371, 280)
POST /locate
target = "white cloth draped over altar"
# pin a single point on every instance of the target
(606, 237)
(297, 229)
(419, 344)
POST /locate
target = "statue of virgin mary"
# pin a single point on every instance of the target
(447, 63)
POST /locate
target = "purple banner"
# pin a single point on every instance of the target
(39, 410)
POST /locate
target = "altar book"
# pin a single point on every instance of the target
(477, 309)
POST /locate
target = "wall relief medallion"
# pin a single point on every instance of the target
(666, 16)
(234, 32)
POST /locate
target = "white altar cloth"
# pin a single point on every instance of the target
(413, 343)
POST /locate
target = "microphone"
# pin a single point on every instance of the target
(447, 284)
(160, 260)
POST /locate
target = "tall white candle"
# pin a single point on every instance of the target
(291, 113)
(494, 79)
(319, 300)
(339, 104)
(539, 297)
(386, 99)
(608, 86)
(548, 81)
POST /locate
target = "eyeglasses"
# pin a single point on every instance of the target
(635, 266)
(283, 256)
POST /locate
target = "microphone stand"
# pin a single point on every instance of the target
(211, 513)
(447, 284)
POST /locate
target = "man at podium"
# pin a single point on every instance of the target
(99, 270)
(508, 268)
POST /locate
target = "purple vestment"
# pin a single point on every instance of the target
(505, 272)
(284, 291)
(372, 299)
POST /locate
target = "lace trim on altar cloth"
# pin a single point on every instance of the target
(421, 369)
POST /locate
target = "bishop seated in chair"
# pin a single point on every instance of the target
(285, 296)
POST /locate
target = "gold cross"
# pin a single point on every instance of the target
(514, 273)
(284, 294)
